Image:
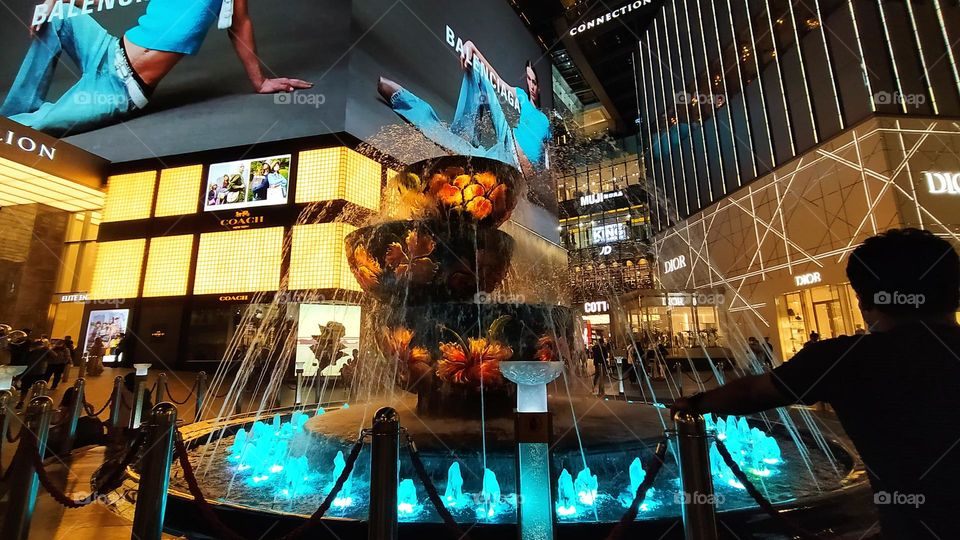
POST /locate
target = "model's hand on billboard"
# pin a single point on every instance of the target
(467, 55)
(46, 9)
(283, 84)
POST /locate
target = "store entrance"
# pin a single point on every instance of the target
(829, 310)
(828, 318)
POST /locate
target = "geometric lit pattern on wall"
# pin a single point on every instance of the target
(129, 196)
(168, 266)
(815, 210)
(317, 258)
(179, 191)
(338, 173)
(117, 270)
(239, 261)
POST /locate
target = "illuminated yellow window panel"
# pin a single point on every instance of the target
(168, 266)
(178, 191)
(239, 261)
(362, 181)
(317, 259)
(338, 173)
(129, 196)
(117, 270)
(318, 175)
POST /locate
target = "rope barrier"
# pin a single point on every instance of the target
(105, 405)
(432, 492)
(314, 519)
(11, 439)
(186, 399)
(222, 530)
(758, 497)
(115, 479)
(652, 470)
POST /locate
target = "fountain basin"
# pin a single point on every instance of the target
(607, 453)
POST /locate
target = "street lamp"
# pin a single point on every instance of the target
(533, 444)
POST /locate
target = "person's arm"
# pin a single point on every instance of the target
(471, 54)
(241, 35)
(743, 396)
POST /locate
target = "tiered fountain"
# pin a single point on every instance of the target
(444, 349)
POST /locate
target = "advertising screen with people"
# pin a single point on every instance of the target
(247, 183)
(105, 329)
(328, 338)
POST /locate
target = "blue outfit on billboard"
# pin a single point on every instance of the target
(462, 136)
(177, 26)
(108, 88)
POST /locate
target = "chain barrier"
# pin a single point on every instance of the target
(432, 492)
(213, 521)
(89, 407)
(113, 480)
(186, 399)
(758, 497)
(314, 519)
(13, 439)
(652, 470)
(222, 530)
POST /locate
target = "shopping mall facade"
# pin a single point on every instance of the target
(154, 227)
(770, 162)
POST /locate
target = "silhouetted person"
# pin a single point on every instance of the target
(814, 338)
(904, 422)
(599, 353)
(36, 361)
(57, 360)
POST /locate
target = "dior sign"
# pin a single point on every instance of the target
(942, 183)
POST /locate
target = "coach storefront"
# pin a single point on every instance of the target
(190, 256)
(777, 249)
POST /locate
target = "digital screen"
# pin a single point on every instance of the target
(327, 336)
(107, 325)
(248, 183)
(614, 232)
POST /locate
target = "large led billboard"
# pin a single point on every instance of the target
(135, 79)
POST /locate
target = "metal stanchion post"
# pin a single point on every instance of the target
(201, 394)
(141, 389)
(115, 405)
(162, 388)
(152, 493)
(621, 393)
(76, 410)
(679, 378)
(24, 482)
(699, 510)
(384, 475)
(38, 389)
(83, 365)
